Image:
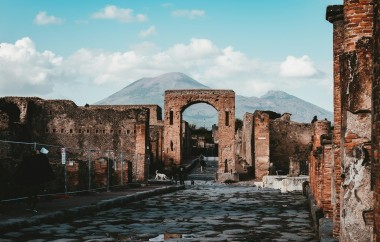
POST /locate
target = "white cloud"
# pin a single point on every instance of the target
(43, 19)
(30, 72)
(124, 15)
(148, 32)
(25, 71)
(191, 14)
(298, 67)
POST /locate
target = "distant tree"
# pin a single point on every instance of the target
(238, 124)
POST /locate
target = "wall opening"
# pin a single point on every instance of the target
(202, 121)
(171, 117)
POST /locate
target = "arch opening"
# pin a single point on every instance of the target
(201, 120)
(223, 101)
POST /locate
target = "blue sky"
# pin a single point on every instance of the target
(86, 50)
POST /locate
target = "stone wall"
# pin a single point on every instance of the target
(97, 133)
(287, 139)
(267, 137)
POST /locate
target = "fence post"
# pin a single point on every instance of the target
(89, 169)
(63, 162)
(108, 171)
(121, 168)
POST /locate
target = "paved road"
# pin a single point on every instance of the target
(206, 211)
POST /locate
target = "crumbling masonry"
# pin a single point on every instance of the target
(352, 201)
(135, 132)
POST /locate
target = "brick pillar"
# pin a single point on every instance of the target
(142, 130)
(358, 15)
(356, 84)
(334, 15)
(376, 123)
(326, 181)
(261, 143)
(320, 128)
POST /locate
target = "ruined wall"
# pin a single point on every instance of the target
(334, 15)
(321, 166)
(261, 143)
(155, 147)
(176, 101)
(84, 130)
(356, 92)
(288, 138)
(376, 122)
(353, 77)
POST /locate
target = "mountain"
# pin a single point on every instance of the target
(151, 91)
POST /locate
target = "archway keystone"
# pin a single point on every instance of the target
(176, 101)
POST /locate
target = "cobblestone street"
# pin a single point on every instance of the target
(206, 211)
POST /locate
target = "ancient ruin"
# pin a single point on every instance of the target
(176, 101)
(344, 164)
(127, 140)
(340, 157)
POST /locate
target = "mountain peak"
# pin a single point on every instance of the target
(276, 94)
(150, 90)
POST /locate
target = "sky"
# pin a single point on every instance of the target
(87, 50)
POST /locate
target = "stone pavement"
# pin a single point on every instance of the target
(206, 211)
(60, 208)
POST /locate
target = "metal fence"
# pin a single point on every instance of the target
(76, 170)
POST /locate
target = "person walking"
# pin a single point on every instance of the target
(182, 175)
(202, 163)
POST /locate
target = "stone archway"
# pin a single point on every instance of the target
(176, 101)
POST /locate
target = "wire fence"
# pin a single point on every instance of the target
(76, 170)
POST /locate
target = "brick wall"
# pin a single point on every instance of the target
(63, 124)
(287, 139)
(356, 76)
(334, 15)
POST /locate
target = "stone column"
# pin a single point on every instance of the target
(334, 15)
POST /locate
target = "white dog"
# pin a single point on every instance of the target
(160, 176)
(259, 185)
